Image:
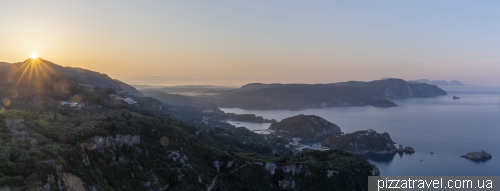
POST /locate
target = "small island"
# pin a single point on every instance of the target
(483, 155)
(307, 127)
(455, 97)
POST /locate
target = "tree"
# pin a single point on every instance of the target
(55, 116)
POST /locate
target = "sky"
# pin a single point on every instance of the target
(237, 42)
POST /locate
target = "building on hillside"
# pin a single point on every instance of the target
(128, 100)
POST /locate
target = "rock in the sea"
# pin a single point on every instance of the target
(409, 150)
(400, 149)
(477, 155)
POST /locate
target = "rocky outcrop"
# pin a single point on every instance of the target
(229, 164)
(287, 169)
(271, 168)
(483, 155)
(99, 143)
(217, 165)
(330, 173)
(286, 183)
(409, 150)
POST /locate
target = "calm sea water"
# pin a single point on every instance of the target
(449, 128)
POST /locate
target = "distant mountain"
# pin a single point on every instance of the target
(187, 89)
(174, 99)
(288, 96)
(158, 79)
(438, 82)
(129, 89)
(308, 127)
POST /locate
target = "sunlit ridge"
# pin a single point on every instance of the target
(34, 68)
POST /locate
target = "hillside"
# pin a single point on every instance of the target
(104, 143)
(363, 142)
(44, 67)
(308, 127)
(290, 96)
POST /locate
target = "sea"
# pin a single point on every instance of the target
(446, 127)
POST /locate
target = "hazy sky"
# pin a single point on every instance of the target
(235, 42)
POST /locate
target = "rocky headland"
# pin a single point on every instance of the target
(364, 142)
(307, 127)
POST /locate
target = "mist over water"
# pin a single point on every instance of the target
(449, 128)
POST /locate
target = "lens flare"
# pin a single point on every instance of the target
(164, 141)
(6, 102)
(14, 94)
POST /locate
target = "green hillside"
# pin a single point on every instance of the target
(104, 143)
(306, 127)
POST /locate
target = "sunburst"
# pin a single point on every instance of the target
(34, 67)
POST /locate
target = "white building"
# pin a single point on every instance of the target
(128, 100)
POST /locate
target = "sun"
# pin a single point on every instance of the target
(34, 55)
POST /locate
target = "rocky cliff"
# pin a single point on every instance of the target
(100, 143)
(296, 173)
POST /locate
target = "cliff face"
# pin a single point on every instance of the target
(306, 127)
(99, 143)
(363, 142)
(335, 170)
(290, 96)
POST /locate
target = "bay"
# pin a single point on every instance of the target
(449, 128)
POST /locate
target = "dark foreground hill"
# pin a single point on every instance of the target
(105, 143)
(290, 96)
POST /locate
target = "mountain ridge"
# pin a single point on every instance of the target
(90, 77)
(353, 93)
(438, 82)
